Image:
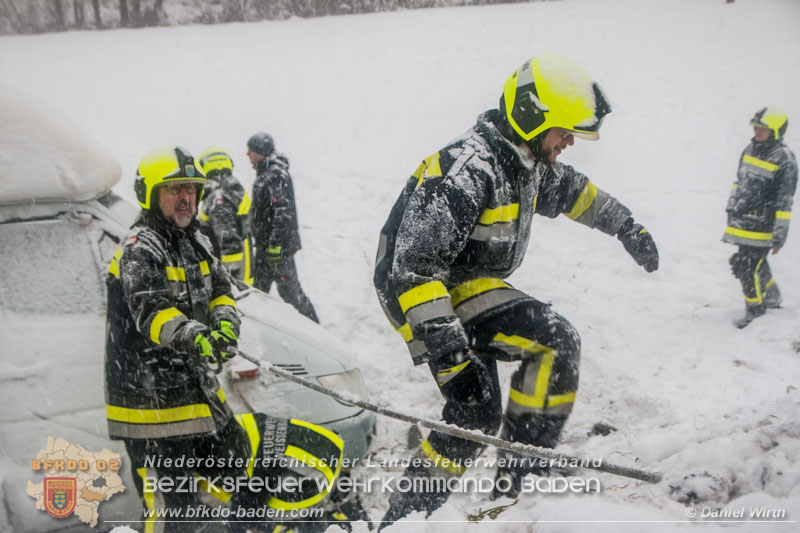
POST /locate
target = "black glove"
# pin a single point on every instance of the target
(639, 243)
(463, 377)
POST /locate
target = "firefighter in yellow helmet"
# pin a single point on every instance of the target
(759, 209)
(225, 209)
(170, 317)
(460, 227)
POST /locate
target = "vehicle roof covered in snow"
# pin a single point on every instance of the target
(44, 155)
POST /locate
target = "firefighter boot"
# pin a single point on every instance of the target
(773, 298)
(402, 504)
(751, 311)
(537, 430)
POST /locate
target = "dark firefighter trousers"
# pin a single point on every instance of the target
(542, 393)
(749, 265)
(232, 442)
(284, 275)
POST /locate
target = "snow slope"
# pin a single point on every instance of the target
(356, 102)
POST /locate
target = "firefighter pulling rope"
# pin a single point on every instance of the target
(526, 449)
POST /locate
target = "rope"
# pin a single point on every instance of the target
(476, 436)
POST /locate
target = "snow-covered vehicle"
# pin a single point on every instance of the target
(60, 225)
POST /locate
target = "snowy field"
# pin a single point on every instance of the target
(357, 102)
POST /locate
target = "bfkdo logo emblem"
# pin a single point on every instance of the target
(60, 495)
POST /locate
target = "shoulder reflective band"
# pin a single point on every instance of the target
(204, 268)
(222, 300)
(783, 215)
(760, 163)
(113, 266)
(244, 205)
(584, 201)
(159, 333)
(429, 168)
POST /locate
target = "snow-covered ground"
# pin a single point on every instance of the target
(356, 102)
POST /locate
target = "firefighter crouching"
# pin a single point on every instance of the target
(460, 227)
(225, 209)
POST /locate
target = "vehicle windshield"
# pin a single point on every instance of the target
(53, 268)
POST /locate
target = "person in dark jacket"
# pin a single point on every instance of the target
(171, 315)
(225, 209)
(274, 224)
(460, 227)
(759, 209)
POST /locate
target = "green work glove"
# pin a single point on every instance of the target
(274, 255)
(229, 330)
(215, 345)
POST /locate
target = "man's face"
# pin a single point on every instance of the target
(254, 157)
(178, 203)
(555, 141)
(762, 134)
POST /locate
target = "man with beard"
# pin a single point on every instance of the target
(171, 316)
(460, 227)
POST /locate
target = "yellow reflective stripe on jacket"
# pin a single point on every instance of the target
(504, 213)
(244, 205)
(471, 288)
(429, 168)
(222, 300)
(233, 258)
(584, 201)
(175, 273)
(161, 318)
(441, 461)
(248, 422)
(204, 268)
(113, 266)
(760, 163)
(317, 464)
(783, 215)
(752, 235)
(157, 416)
(420, 294)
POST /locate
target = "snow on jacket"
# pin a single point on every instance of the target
(760, 203)
(225, 208)
(462, 225)
(164, 288)
(274, 217)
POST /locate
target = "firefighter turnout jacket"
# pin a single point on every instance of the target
(165, 287)
(461, 226)
(274, 218)
(226, 209)
(760, 204)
